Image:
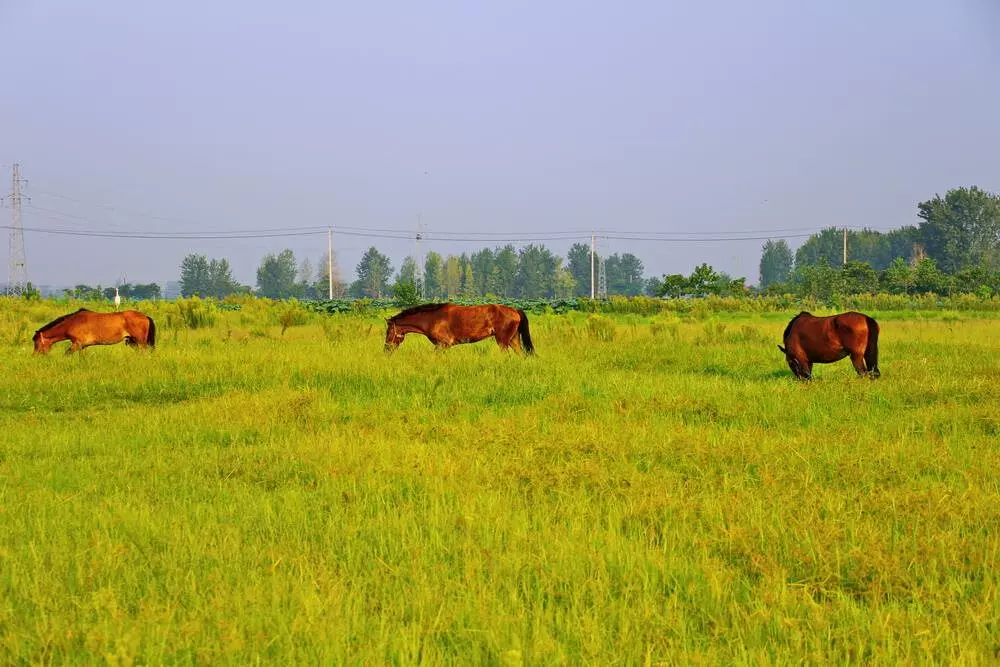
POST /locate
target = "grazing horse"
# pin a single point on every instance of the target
(447, 324)
(823, 340)
(85, 328)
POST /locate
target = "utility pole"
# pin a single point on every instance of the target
(329, 261)
(845, 246)
(17, 275)
(592, 241)
(418, 258)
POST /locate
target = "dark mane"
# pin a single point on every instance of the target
(422, 308)
(60, 319)
(784, 336)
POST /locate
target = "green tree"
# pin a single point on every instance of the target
(144, 291)
(654, 286)
(565, 286)
(674, 286)
(195, 277)
(306, 280)
(962, 228)
(775, 263)
(898, 277)
(433, 275)
(483, 263)
(536, 272)
(408, 273)
(469, 289)
(373, 273)
(624, 274)
(136, 292)
(816, 280)
(825, 247)
(276, 275)
(85, 293)
(578, 262)
(973, 280)
(405, 293)
(858, 278)
(726, 285)
(220, 279)
(505, 269)
(451, 285)
(928, 278)
(701, 280)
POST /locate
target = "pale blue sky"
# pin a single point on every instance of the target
(487, 117)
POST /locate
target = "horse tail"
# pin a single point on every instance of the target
(151, 334)
(871, 349)
(522, 330)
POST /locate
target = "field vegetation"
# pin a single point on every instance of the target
(651, 487)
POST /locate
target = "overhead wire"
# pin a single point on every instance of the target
(391, 233)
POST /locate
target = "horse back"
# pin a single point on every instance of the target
(828, 338)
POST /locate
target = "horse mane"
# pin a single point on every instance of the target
(422, 308)
(788, 329)
(60, 319)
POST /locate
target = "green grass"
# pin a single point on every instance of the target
(643, 490)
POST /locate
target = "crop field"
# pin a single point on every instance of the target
(271, 487)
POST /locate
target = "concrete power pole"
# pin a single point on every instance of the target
(592, 241)
(845, 246)
(418, 253)
(329, 262)
(17, 275)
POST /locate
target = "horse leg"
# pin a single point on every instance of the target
(858, 360)
(507, 338)
(74, 346)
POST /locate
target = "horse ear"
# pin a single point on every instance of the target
(782, 349)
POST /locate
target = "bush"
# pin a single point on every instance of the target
(600, 328)
(292, 315)
(405, 294)
(195, 313)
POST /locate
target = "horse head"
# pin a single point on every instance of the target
(798, 370)
(42, 344)
(393, 336)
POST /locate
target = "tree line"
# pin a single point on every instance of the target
(136, 292)
(954, 248)
(531, 272)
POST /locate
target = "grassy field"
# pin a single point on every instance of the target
(644, 490)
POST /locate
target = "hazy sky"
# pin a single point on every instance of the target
(506, 117)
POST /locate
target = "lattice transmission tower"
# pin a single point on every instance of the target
(17, 273)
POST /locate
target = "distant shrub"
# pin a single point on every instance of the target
(600, 328)
(361, 306)
(292, 315)
(195, 313)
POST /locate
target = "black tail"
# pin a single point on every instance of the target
(871, 350)
(522, 330)
(151, 335)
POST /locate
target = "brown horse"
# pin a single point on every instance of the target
(823, 340)
(84, 328)
(447, 324)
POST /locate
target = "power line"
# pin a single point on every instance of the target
(463, 235)
(405, 236)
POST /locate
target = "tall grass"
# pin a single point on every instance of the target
(646, 489)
